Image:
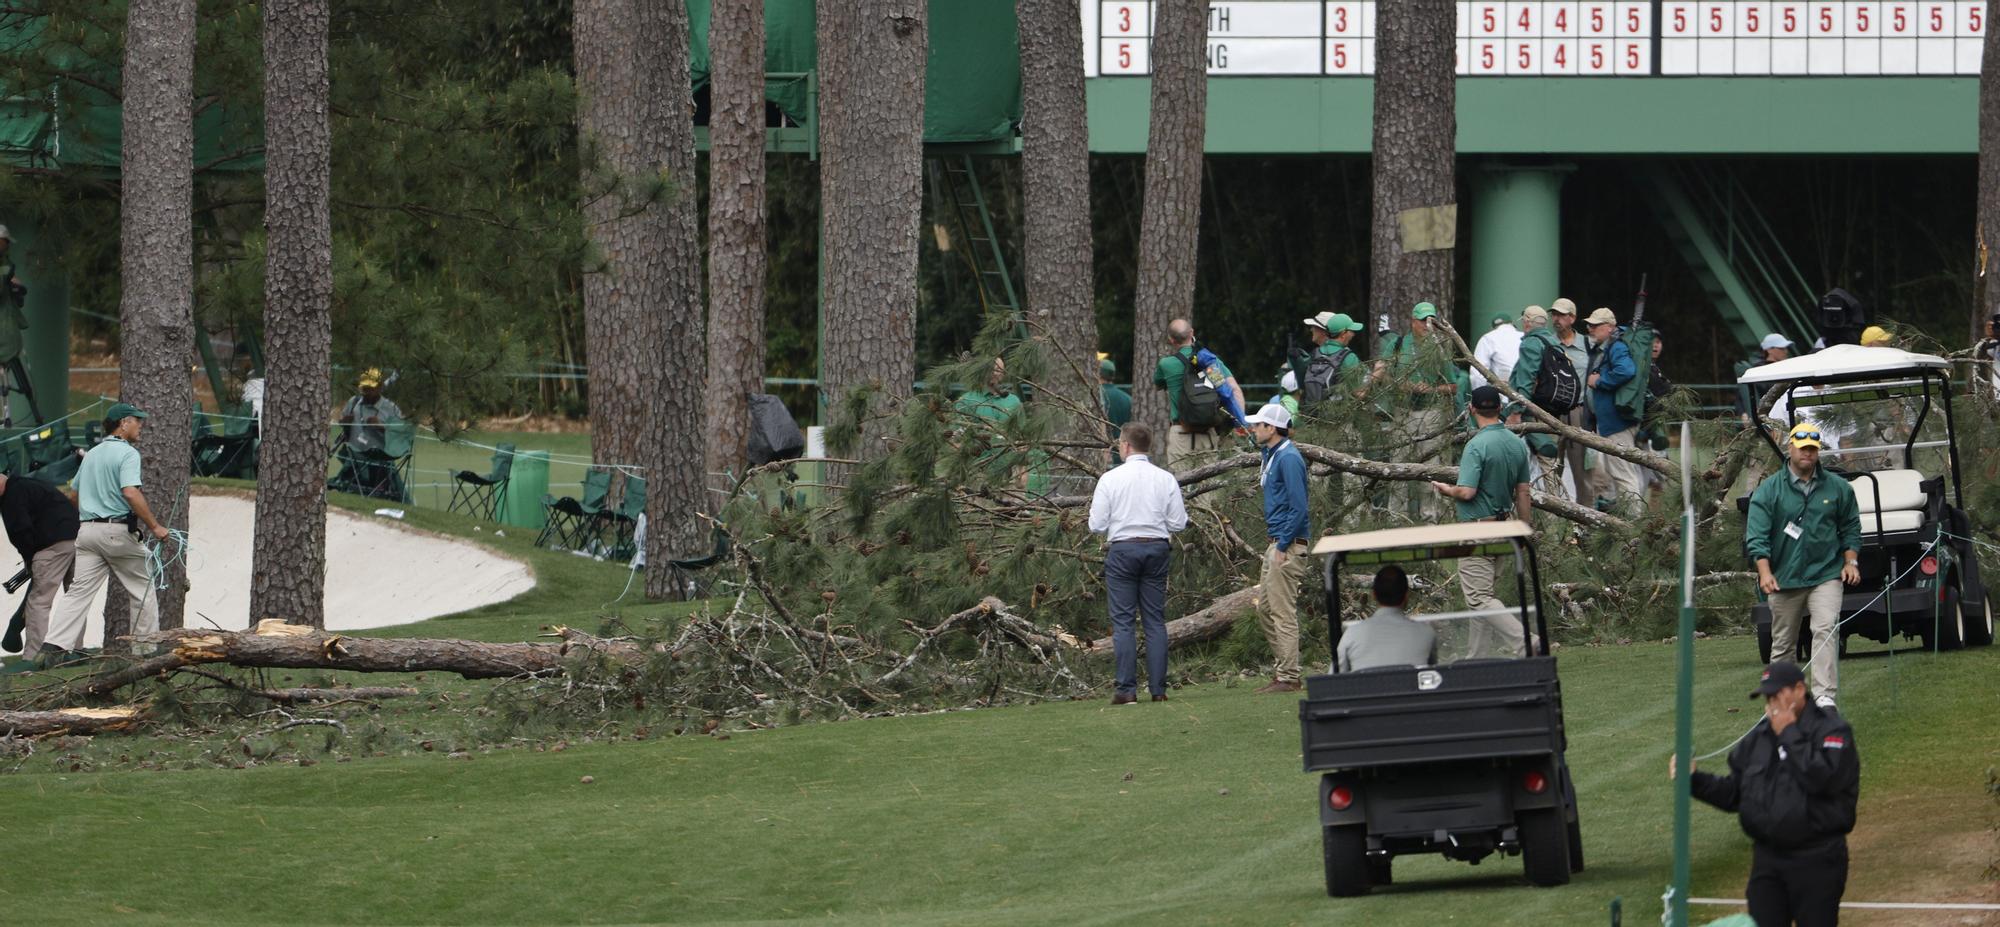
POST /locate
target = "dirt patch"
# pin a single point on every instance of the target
(1930, 846)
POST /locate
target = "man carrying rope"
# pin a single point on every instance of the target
(112, 509)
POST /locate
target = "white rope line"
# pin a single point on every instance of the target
(1805, 622)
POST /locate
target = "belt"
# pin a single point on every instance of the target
(1137, 541)
(107, 519)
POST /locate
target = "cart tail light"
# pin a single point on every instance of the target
(1535, 782)
(1340, 798)
(1928, 565)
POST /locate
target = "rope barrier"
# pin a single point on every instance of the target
(1836, 655)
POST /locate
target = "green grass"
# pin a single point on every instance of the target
(1005, 816)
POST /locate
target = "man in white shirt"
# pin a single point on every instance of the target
(1136, 506)
(1388, 637)
(1498, 349)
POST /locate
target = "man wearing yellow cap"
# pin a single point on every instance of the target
(1804, 533)
(365, 416)
(1875, 336)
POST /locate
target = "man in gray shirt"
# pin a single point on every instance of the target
(1388, 637)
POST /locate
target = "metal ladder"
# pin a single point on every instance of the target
(956, 179)
(1733, 252)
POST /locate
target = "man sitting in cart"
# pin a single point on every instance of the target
(1388, 637)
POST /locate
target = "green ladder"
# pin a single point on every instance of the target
(1742, 267)
(957, 179)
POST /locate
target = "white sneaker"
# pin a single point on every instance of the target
(1825, 703)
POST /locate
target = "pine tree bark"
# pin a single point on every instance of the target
(289, 566)
(156, 254)
(1171, 219)
(1055, 181)
(736, 226)
(1988, 302)
(642, 311)
(871, 125)
(1415, 148)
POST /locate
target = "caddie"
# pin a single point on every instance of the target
(1804, 533)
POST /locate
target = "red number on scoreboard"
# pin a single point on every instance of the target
(1861, 19)
(1826, 19)
(1632, 19)
(1937, 19)
(1975, 19)
(1524, 21)
(1750, 23)
(1562, 19)
(1487, 20)
(1562, 56)
(1680, 20)
(1631, 56)
(1791, 20)
(1523, 59)
(1486, 57)
(1596, 19)
(1715, 19)
(1340, 55)
(1340, 19)
(1124, 54)
(1124, 19)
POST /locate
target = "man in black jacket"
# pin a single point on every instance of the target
(42, 523)
(1793, 782)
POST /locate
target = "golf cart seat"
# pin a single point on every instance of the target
(1890, 501)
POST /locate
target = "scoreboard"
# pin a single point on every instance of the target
(1571, 38)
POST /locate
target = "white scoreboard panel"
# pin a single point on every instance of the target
(1572, 38)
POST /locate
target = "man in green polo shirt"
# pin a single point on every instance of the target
(1419, 365)
(1188, 443)
(1492, 486)
(108, 500)
(1117, 402)
(1333, 337)
(1804, 532)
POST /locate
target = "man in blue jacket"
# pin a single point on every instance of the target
(1287, 523)
(1611, 366)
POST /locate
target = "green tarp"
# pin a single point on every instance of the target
(972, 89)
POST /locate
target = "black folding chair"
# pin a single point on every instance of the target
(570, 521)
(688, 575)
(481, 496)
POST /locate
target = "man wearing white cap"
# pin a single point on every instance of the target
(1775, 347)
(1288, 387)
(1562, 320)
(1288, 523)
(1499, 349)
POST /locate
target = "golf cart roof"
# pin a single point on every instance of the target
(1425, 542)
(1844, 362)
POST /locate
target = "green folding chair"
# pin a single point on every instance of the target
(233, 453)
(569, 519)
(482, 495)
(379, 474)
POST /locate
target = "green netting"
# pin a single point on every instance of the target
(972, 90)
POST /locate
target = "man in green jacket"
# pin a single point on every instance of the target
(1333, 335)
(1418, 363)
(1804, 532)
(1117, 402)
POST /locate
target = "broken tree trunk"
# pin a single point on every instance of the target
(67, 721)
(319, 650)
(1209, 623)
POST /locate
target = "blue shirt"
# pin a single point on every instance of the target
(1613, 370)
(101, 480)
(1286, 517)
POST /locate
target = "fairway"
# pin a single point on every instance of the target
(1193, 811)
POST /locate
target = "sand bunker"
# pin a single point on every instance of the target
(378, 572)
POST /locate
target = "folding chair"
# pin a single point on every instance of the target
(379, 474)
(481, 496)
(233, 453)
(626, 518)
(570, 519)
(686, 573)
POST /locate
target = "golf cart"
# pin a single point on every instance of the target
(1919, 575)
(1462, 758)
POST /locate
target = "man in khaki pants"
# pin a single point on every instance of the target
(1287, 521)
(107, 497)
(41, 522)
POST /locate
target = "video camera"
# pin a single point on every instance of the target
(1842, 317)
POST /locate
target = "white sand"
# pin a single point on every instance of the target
(378, 572)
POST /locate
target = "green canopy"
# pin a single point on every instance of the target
(972, 88)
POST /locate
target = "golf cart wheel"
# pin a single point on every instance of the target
(1978, 622)
(1347, 866)
(1945, 630)
(1544, 846)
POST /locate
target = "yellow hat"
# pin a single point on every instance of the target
(1806, 434)
(1875, 335)
(370, 377)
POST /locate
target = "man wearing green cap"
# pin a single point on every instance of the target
(1329, 370)
(1420, 366)
(112, 509)
(1117, 402)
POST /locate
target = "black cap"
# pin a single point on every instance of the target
(1779, 676)
(1486, 398)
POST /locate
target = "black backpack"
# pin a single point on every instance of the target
(1200, 405)
(1321, 375)
(1557, 388)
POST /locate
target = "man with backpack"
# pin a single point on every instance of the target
(1574, 457)
(1326, 372)
(1544, 375)
(1612, 367)
(1199, 406)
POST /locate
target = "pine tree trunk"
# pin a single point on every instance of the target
(871, 125)
(1055, 180)
(1416, 131)
(156, 253)
(1171, 221)
(642, 312)
(1989, 179)
(289, 568)
(736, 222)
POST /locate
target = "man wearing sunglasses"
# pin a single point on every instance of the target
(1804, 533)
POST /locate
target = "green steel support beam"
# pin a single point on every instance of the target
(1516, 241)
(45, 344)
(1746, 319)
(1574, 116)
